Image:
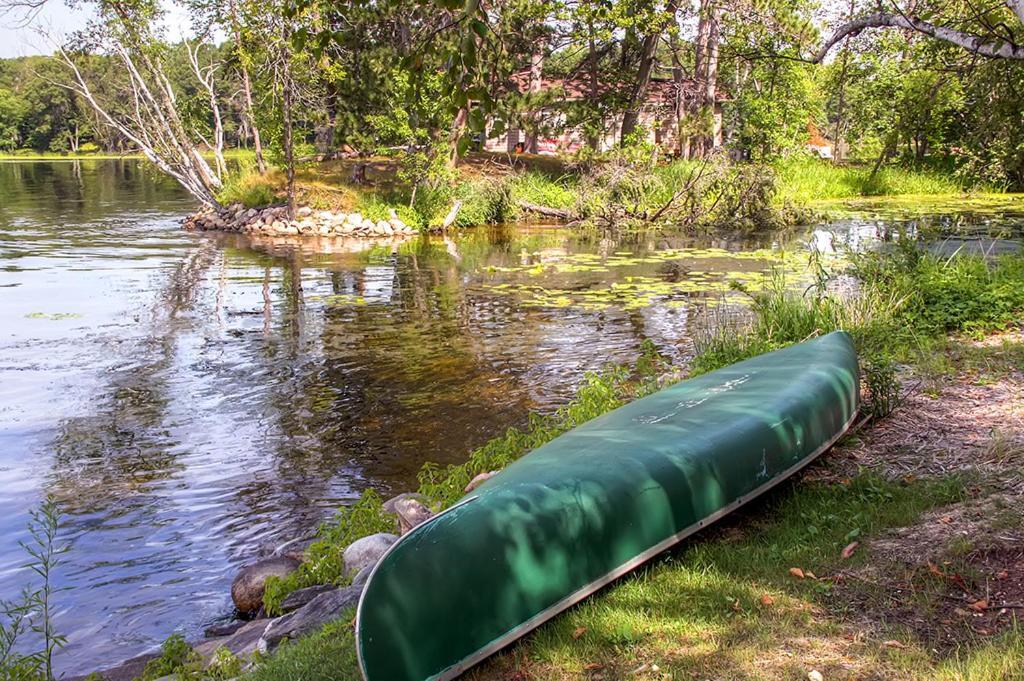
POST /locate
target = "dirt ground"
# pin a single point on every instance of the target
(958, 573)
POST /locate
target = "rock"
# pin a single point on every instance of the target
(389, 505)
(815, 675)
(225, 629)
(479, 480)
(363, 576)
(242, 643)
(249, 584)
(382, 228)
(301, 597)
(323, 609)
(367, 224)
(367, 551)
(355, 218)
(411, 513)
(125, 671)
(304, 211)
(251, 214)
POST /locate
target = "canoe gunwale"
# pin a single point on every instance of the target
(587, 590)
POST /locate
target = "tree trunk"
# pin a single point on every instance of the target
(631, 117)
(594, 140)
(535, 84)
(257, 143)
(457, 131)
(707, 71)
(287, 100)
(679, 104)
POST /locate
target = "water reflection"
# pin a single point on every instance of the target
(189, 398)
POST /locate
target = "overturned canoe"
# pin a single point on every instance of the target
(595, 503)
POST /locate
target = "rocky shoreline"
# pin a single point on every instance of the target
(275, 221)
(304, 611)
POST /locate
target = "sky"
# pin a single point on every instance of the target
(19, 40)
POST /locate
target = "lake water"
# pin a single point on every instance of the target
(189, 398)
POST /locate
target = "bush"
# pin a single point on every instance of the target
(248, 187)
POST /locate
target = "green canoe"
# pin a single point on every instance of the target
(595, 503)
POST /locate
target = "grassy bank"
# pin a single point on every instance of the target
(763, 595)
(809, 180)
(618, 191)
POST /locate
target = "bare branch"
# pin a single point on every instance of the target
(995, 49)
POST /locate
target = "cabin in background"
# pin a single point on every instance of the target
(659, 116)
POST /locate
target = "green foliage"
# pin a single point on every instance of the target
(803, 180)
(176, 657)
(327, 655)
(324, 563)
(224, 665)
(245, 185)
(28, 622)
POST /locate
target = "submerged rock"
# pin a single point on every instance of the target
(367, 551)
(325, 608)
(249, 584)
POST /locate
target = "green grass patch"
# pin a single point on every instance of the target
(727, 605)
(327, 655)
(809, 180)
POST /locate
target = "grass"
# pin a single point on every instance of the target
(808, 180)
(723, 605)
(728, 605)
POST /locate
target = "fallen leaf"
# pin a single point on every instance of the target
(850, 548)
(946, 520)
(796, 572)
(579, 631)
(809, 575)
(767, 600)
(979, 605)
(1003, 574)
(592, 666)
(893, 643)
(934, 569)
(735, 605)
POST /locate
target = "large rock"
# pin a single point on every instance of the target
(367, 551)
(410, 513)
(300, 597)
(363, 576)
(242, 643)
(325, 608)
(249, 584)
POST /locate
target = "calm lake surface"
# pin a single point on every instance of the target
(191, 398)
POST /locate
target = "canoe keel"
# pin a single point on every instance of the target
(592, 505)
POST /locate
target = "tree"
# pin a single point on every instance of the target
(992, 33)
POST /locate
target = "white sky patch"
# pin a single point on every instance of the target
(19, 35)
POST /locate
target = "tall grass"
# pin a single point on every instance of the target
(806, 180)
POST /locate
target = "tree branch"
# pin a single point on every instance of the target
(995, 49)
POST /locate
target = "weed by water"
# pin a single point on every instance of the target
(27, 623)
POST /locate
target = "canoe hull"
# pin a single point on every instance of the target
(595, 503)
